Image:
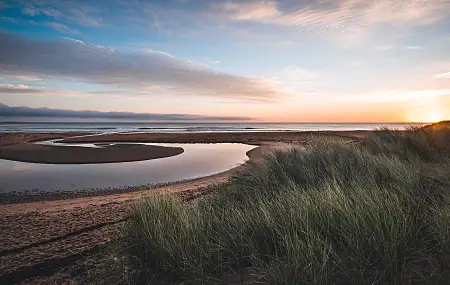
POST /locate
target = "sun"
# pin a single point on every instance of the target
(427, 115)
(435, 116)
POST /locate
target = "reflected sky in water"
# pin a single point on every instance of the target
(196, 161)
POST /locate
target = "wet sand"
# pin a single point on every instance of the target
(37, 153)
(19, 138)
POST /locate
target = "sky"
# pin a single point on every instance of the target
(247, 60)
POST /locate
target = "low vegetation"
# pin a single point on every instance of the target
(375, 212)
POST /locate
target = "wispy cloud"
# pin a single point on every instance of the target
(23, 89)
(295, 74)
(159, 52)
(414, 48)
(62, 28)
(397, 95)
(383, 48)
(445, 75)
(84, 19)
(209, 61)
(28, 78)
(354, 17)
(65, 10)
(8, 111)
(102, 65)
(249, 10)
(16, 89)
(336, 14)
(33, 11)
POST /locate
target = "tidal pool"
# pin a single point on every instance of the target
(197, 160)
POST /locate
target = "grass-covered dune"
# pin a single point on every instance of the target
(376, 212)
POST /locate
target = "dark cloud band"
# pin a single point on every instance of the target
(10, 112)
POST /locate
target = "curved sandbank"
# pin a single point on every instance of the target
(48, 154)
(255, 138)
(7, 139)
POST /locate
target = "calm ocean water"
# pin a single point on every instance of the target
(114, 127)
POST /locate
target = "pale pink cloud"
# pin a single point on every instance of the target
(14, 86)
(255, 10)
(353, 17)
(445, 75)
(28, 78)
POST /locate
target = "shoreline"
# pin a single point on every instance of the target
(52, 241)
(264, 141)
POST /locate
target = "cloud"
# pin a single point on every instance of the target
(16, 89)
(383, 48)
(295, 80)
(355, 17)
(8, 111)
(397, 95)
(33, 11)
(210, 61)
(139, 69)
(28, 78)
(337, 14)
(83, 19)
(295, 74)
(445, 75)
(253, 10)
(62, 28)
(66, 11)
(14, 86)
(414, 48)
(22, 89)
(159, 52)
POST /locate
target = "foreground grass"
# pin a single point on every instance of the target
(371, 213)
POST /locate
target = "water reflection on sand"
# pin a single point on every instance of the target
(197, 160)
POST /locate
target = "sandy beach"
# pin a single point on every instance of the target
(256, 138)
(49, 241)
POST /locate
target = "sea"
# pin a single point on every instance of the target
(151, 127)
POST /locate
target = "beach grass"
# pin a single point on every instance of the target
(374, 212)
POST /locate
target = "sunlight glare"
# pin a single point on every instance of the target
(433, 117)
